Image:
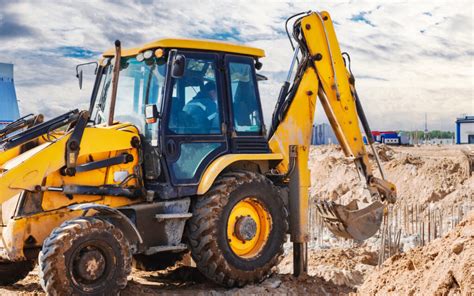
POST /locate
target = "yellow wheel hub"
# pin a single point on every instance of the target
(248, 228)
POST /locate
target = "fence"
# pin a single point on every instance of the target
(404, 227)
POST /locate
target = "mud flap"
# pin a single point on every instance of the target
(350, 222)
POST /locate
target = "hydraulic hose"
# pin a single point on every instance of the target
(363, 118)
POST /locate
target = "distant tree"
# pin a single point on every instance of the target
(435, 134)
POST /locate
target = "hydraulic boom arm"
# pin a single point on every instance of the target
(322, 73)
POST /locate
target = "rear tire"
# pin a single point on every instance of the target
(85, 256)
(12, 272)
(237, 249)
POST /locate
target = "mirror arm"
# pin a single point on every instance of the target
(79, 74)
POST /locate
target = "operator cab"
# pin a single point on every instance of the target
(193, 101)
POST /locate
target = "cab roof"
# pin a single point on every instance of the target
(210, 45)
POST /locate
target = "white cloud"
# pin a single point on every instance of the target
(413, 57)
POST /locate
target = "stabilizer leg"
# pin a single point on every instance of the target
(299, 202)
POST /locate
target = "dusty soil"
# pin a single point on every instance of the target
(345, 267)
(424, 175)
(186, 280)
(172, 284)
(443, 267)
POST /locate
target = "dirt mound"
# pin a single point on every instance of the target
(333, 176)
(423, 175)
(426, 179)
(443, 267)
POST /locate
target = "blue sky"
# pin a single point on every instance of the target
(409, 58)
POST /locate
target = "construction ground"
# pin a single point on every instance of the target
(425, 246)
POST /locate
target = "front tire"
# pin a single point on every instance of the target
(238, 229)
(85, 256)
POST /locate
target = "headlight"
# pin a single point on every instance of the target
(159, 53)
(148, 54)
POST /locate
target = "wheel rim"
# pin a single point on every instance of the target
(248, 228)
(91, 264)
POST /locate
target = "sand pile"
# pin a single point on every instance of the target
(443, 267)
(426, 179)
(422, 175)
(333, 176)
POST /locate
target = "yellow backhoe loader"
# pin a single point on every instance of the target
(173, 155)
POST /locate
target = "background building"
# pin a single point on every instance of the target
(465, 130)
(323, 134)
(8, 102)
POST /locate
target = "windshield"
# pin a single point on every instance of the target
(140, 83)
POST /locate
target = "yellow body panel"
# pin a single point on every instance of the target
(55, 200)
(9, 154)
(296, 127)
(210, 45)
(218, 165)
(37, 226)
(29, 169)
(6, 155)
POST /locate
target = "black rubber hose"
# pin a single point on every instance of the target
(363, 119)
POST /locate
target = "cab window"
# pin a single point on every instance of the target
(195, 103)
(140, 83)
(247, 117)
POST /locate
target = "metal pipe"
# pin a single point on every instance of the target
(377, 160)
(293, 61)
(300, 262)
(367, 130)
(115, 79)
(299, 206)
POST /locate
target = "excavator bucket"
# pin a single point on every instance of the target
(350, 222)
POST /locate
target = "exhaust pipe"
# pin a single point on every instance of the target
(115, 79)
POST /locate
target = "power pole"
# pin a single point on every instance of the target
(426, 128)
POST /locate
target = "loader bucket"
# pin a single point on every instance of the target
(350, 222)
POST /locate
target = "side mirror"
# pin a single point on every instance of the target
(151, 113)
(80, 76)
(179, 64)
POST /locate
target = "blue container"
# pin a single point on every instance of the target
(8, 102)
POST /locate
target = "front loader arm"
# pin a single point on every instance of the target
(28, 170)
(30, 131)
(322, 73)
